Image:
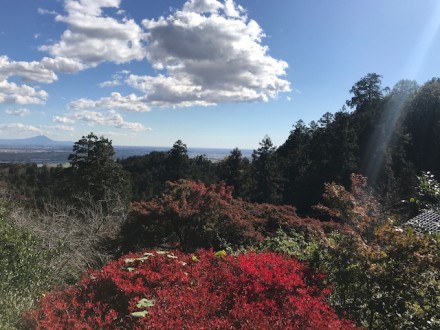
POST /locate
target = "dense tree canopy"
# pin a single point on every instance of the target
(94, 172)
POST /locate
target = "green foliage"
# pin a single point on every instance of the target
(292, 243)
(423, 125)
(94, 172)
(428, 193)
(366, 91)
(265, 170)
(234, 170)
(149, 173)
(24, 271)
(385, 277)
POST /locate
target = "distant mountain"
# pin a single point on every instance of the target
(40, 140)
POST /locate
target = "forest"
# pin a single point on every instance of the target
(308, 234)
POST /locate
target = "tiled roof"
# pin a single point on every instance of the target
(428, 221)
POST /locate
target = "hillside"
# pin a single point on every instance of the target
(39, 140)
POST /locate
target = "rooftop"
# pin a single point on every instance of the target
(428, 221)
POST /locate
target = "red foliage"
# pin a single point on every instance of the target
(168, 290)
(191, 215)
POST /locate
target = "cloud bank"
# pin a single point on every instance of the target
(206, 53)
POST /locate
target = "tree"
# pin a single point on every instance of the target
(428, 193)
(423, 124)
(266, 173)
(366, 91)
(94, 172)
(178, 162)
(294, 156)
(234, 170)
(385, 277)
(91, 150)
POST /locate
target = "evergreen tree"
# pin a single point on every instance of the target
(366, 91)
(178, 163)
(93, 171)
(266, 172)
(234, 170)
(423, 123)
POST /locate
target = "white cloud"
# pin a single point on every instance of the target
(11, 93)
(43, 11)
(62, 64)
(29, 71)
(211, 53)
(38, 71)
(59, 127)
(110, 118)
(117, 79)
(202, 6)
(20, 128)
(110, 83)
(18, 112)
(130, 102)
(232, 10)
(63, 119)
(92, 38)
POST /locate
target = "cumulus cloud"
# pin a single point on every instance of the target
(110, 118)
(117, 101)
(208, 52)
(216, 54)
(18, 112)
(38, 71)
(11, 93)
(92, 38)
(20, 128)
(29, 71)
(202, 6)
(43, 71)
(63, 119)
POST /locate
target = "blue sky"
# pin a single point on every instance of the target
(213, 73)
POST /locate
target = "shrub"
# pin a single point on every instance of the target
(24, 270)
(190, 215)
(157, 289)
(385, 277)
(81, 234)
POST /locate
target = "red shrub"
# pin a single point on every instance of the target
(190, 215)
(204, 291)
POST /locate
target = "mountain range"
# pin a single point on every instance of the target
(39, 140)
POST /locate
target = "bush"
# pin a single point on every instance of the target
(385, 277)
(24, 270)
(157, 289)
(190, 215)
(82, 234)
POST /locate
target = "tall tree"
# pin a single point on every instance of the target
(234, 170)
(178, 162)
(93, 171)
(423, 123)
(267, 176)
(294, 157)
(366, 91)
